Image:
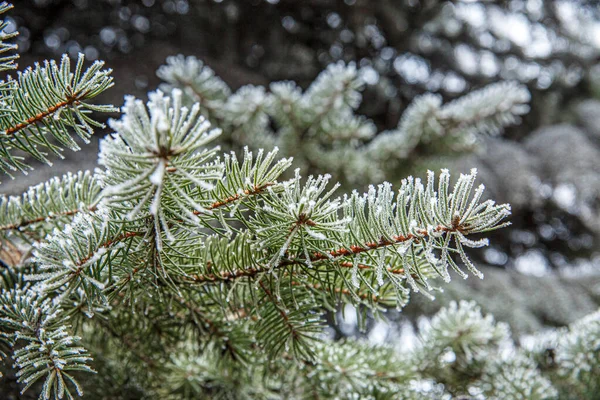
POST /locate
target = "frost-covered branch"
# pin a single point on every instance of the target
(48, 205)
(320, 128)
(454, 125)
(48, 100)
(214, 223)
(36, 328)
(197, 273)
(7, 61)
(197, 81)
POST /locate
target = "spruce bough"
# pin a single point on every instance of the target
(235, 258)
(175, 271)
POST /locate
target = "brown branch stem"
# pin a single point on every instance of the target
(25, 223)
(279, 309)
(70, 100)
(317, 257)
(106, 244)
(248, 192)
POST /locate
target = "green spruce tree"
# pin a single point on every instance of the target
(178, 272)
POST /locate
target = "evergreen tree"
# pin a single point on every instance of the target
(178, 272)
(320, 127)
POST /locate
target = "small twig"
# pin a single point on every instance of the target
(317, 257)
(248, 192)
(25, 223)
(70, 100)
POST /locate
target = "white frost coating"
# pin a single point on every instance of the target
(157, 176)
(156, 156)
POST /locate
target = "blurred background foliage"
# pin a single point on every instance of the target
(544, 270)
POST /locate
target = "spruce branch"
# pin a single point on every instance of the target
(232, 338)
(244, 182)
(211, 272)
(283, 327)
(80, 255)
(337, 89)
(320, 126)
(47, 205)
(47, 101)
(453, 125)
(246, 113)
(212, 236)
(463, 349)
(191, 373)
(7, 61)
(36, 326)
(514, 376)
(575, 361)
(40, 116)
(354, 366)
(305, 217)
(341, 370)
(156, 164)
(197, 81)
